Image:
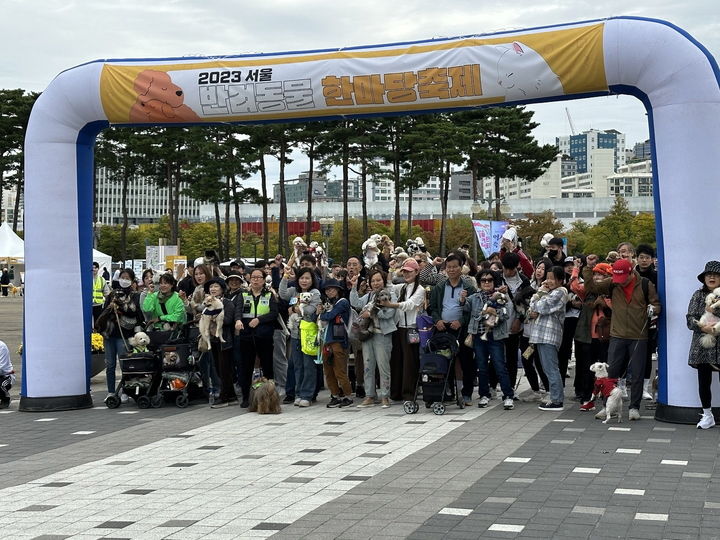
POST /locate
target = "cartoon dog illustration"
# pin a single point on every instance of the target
(522, 73)
(159, 100)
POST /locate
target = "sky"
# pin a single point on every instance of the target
(41, 38)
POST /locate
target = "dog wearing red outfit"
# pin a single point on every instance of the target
(607, 388)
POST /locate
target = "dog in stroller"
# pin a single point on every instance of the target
(437, 362)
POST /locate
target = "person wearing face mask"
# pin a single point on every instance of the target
(124, 315)
(555, 251)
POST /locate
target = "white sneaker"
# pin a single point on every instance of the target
(634, 414)
(601, 414)
(304, 403)
(707, 421)
(297, 401)
(123, 397)
(483, 402)
(646, 394)
(508, 404)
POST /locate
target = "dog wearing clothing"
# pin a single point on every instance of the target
(607, 388)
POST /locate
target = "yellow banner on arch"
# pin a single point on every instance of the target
(445, 74)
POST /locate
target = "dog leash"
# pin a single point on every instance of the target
(117, 317)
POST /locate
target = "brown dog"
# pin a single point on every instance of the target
(159, 100)
(264, 398)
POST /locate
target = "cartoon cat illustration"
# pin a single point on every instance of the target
(523, 74)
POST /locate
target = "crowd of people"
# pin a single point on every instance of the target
(292, 319)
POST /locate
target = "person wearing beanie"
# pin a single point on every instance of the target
(704, 359)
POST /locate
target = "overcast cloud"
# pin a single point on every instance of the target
(40, 38)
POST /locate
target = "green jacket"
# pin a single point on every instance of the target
(436, 299)
(174, 307)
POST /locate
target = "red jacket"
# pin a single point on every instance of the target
(604, 386)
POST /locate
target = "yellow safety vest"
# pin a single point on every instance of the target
(254, 308)
(98, 288)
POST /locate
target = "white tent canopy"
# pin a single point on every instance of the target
(11, 245)
(103, 260)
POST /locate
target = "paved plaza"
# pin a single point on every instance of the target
(349, 473)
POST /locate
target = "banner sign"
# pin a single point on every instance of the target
(462, 72)
(489, 234)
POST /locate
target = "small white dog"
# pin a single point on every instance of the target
(139, 342)
(712, 301)
(607, 388)
(211, 322)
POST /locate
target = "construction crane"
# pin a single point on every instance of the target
(572, 127)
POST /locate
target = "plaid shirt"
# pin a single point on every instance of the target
(548, 327)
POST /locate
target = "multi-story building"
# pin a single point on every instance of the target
(579, 147)
(544, 187)
(8, 207)
(632, 180)
(591, 183)
(146, 202)
(296, 189)
(642, 151)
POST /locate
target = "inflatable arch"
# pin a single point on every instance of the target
(671, 73)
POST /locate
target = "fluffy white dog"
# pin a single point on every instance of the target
(607, 388)
(712, 301)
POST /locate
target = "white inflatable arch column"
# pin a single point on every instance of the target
(674, 76)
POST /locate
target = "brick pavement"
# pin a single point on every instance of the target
(320, 473)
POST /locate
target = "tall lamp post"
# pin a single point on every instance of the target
(326, 229)
(255, 243)
(490, 202)
(475, 209)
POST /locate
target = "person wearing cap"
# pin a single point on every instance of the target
(222, 352)
(336, 313)
(235, 283)
(634, 303)
(405, 354)
(704, 359)
(509, 244)
(590, 345)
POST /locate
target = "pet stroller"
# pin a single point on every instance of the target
(437, 362)
(140, 380)
(180, 372)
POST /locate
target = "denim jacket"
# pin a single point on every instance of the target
(474, 304)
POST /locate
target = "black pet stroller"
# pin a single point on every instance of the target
(437, 362)
(180, 372)
(140, 380)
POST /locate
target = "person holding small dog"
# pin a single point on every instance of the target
(303, 382)
(121, 317)
(222, 351)
(546, 316)
(376, 350)
(703, 358)
(255, 314)
(335, 343)
(492, 346)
